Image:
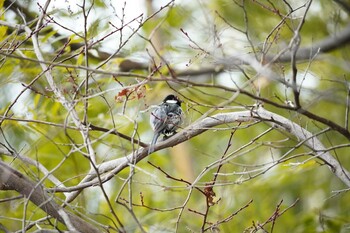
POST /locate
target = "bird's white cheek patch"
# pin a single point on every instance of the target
(171, 101)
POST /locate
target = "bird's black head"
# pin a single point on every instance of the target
(172, 99)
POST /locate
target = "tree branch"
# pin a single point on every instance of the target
(113, 167)
(37, 164)
(326, 45)
(10, 179)
(69, 106)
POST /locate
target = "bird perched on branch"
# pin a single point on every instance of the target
(165, 119)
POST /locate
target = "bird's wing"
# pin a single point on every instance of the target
(158, 119)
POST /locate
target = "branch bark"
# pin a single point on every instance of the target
(323, 46)
(113, 167)
(69, 106)
(10, 179)
(305, 53)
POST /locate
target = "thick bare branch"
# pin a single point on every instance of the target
(10, 179)
(33, 162)
(305, 53)
(328, 44)
(260, 114)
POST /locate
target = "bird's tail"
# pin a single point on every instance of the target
(154, 140)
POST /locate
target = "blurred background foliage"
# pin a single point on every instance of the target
(189, 36)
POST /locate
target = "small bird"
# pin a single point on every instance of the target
(165, 119)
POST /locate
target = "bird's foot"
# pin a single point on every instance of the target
(166, 136)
